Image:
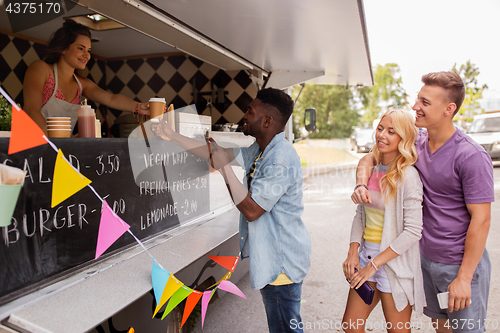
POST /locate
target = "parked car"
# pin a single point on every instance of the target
(485, 130)
(363, 139)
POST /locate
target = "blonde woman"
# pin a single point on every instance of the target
(384, 246)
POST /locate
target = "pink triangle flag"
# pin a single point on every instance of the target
(205, 299)
(110, 229)
(231, 288)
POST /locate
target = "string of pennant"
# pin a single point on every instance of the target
(67, 181)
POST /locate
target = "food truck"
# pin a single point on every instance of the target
(208, 56)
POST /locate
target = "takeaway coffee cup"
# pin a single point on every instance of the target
(156, 107)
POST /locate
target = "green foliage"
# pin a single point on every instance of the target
(5, 114)
(473, 91)
(387, 92)
(336, 113)
(337, 107)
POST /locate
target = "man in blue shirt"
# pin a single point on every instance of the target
(272, 233)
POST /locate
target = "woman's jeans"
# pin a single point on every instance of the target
(282, 304)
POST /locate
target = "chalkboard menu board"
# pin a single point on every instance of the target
(43, 243)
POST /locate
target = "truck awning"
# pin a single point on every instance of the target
(289, 41)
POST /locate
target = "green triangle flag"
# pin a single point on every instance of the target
(176, 298)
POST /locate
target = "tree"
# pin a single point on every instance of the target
(386, 92)
(473, 91)
(336, 113)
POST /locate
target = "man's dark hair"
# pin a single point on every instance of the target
(63, 38)
(277, 103)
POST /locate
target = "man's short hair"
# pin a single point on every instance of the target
(277, 103)
(451, 82)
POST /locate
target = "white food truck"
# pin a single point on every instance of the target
(214, 54)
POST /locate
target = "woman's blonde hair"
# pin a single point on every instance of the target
(403, 124)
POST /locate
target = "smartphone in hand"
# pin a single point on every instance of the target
(443, 299)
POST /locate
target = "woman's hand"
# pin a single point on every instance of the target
(362, 275)
(144, 109)
(350, 265)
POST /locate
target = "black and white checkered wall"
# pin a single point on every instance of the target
(181, 80)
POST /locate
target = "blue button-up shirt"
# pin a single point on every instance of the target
(278, 241)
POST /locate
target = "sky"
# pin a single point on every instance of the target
(423, 36)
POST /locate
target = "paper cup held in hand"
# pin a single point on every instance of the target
(8, 199)
(156, 107)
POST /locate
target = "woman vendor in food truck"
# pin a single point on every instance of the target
(51, 87)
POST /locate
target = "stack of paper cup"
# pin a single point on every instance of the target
(59, 127)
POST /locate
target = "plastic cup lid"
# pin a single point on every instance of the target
(58, 129)
(156, 99)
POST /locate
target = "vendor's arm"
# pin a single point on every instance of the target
(34, 80)
(475, 243)
(363, 173)
(116, 101)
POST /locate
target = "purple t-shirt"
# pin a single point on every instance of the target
(460, 172)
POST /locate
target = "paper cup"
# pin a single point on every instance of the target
(58, 124)
(59, 133)
(156, 107)
(8, 199)
(66, 119)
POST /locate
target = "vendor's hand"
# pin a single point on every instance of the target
(144, 110)
(362, 275)
(218, 157)
(460, 294)
(350, 265)
(161, 129)
(361, 196)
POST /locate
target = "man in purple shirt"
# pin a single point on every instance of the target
(457, 175)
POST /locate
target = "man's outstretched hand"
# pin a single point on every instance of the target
(162, 130)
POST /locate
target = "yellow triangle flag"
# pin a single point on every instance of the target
(225, 277)
(67, 181)
(170, 288)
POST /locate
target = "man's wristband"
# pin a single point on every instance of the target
(361, 185)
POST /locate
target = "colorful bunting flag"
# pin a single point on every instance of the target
(111, 228)
(207, 296)
(191, 302)
(231, 288)
(172, 286)
(226, 262)
(160, 278)
(225, 277)
(25, 133)
(176, 298)
(67, 181)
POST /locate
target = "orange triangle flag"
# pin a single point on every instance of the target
(191, 302)
(67, 181)
(226, 262)
(25, 133)
(170, 288)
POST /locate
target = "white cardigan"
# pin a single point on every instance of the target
(402, 231)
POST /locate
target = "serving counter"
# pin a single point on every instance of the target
(175, 207)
